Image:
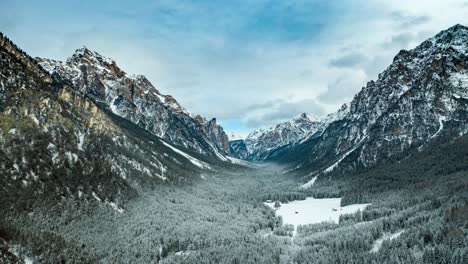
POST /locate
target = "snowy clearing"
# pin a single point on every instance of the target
(313, 211)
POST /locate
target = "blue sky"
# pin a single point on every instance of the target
(249, 63)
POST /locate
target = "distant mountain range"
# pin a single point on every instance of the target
(421, 96)
(260, 144)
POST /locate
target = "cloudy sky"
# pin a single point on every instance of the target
(249, 63)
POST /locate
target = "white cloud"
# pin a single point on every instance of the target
(220, 62)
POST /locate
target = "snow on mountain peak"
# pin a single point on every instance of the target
(455, 37)
(92, 57)
(305, 116)
(260, 142)
(405, 108)
(233, 136)
(135, 98)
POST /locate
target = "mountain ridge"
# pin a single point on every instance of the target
(56, 143)
(420, 95)
(136, 99)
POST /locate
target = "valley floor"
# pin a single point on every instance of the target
(223, 218)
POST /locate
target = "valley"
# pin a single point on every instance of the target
(98, 166)
(222, 218)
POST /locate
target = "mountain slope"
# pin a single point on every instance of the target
(136, 99)
(420, 96)
(56, 143)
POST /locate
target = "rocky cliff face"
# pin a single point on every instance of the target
(57, 142)
(136, 99)
(422, 95)
(239, 149)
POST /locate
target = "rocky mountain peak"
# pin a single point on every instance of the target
(421, 96)
(453, 34)
(84, 53)
(261, 142)
(305, 117)
(91, 58)
(453, 39)
(133, 97)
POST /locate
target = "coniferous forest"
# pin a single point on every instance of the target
(97, 165)
(222, 219)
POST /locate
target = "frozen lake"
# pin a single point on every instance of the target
(312, 211)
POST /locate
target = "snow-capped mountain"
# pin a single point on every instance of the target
(134, 98)
(57, 143)
(261, 142)
(420, 97)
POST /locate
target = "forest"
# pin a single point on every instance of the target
(421, 202)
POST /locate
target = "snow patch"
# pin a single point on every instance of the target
(441, 126)
(80, 140)
(181, 253)
(113, 107)
(335, 165)
(33, 117)
(193, 160)
(161, 98)
(55, 157)
(378, 243)
(459, 79)
(308, 184)
(115, 207)
(238, 161)
(219, 155)
(459, 96)
(96, 197)
(15, 249)
(233, 136)
(72, 157)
